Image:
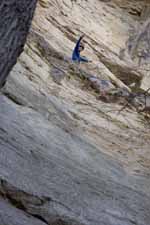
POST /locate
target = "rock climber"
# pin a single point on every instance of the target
(77, 50)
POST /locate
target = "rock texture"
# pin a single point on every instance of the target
(16, 18)
(67, 158)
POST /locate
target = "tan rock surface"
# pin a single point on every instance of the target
(83, 163)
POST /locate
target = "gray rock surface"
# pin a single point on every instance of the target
(52, 175)
(16, 17)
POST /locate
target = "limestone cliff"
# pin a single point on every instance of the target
(66, 157)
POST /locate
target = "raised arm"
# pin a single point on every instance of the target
(78, 44)
(76, 52)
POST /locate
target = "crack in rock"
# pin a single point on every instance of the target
(34, 205)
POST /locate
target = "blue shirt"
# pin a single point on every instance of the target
(76, 54)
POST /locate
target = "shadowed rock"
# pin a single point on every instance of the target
(15, 21)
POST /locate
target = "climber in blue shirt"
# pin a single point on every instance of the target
(76, 52)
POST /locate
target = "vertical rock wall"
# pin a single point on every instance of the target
(16, 16)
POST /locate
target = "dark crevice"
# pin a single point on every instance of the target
(15, 202)
(13, 196)
(18, 204)
(13, 98)
(39, 217)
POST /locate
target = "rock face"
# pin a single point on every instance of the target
(67, 158)
(15, 20)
